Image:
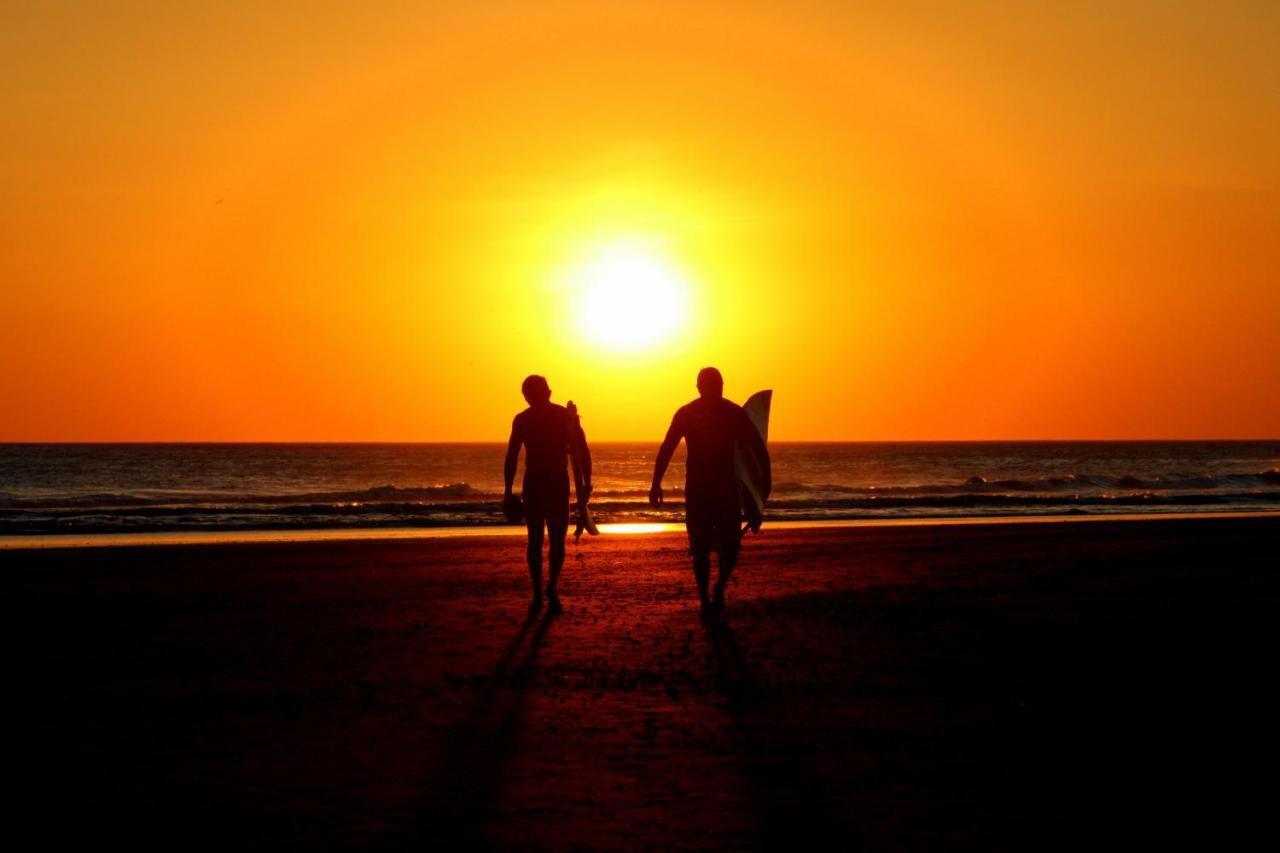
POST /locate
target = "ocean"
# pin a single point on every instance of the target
(141, 488)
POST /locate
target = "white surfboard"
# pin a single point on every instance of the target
(748, 468)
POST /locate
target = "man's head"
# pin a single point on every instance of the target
(535, 389)
(710, 382)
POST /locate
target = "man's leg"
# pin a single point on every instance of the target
(557, 529)
(728, 538)
(728, 559)
(702, 574)
(534, 524)
(700, 533)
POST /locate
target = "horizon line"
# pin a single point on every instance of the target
(349, 442)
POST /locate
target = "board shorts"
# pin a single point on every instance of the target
(546, 501)
(714, 524)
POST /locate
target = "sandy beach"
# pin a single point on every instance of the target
(896, 688)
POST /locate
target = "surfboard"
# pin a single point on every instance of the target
(748, 467)
(585, 522)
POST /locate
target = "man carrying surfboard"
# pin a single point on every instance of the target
(717, 433)
(551, 435)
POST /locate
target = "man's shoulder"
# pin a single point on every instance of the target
(721, 407)
(704, 405)
(688, 408)
(540, 417)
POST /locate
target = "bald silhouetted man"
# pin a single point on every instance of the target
(550, 435)
(710, 427)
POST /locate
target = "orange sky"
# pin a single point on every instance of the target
(928, 221)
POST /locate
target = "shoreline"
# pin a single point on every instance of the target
(56, 541)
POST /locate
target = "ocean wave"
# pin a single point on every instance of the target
(56, 490)
(1049, 485)
(375, 495)
(391, 497)
(487, 511)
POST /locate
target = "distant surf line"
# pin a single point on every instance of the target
(373, 534)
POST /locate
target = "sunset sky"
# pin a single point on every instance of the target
(912, 220)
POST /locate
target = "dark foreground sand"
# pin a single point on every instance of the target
(1020, 686)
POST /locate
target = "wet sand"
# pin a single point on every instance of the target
(925, 687)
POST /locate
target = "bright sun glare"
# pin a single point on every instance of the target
(630, 296)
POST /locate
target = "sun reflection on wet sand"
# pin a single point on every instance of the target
(640, 527)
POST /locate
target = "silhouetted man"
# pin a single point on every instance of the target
(710, 426)
(550, 435)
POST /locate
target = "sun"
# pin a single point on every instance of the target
(630, 296)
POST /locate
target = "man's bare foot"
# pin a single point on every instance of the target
(554, 607)
(536, 604)
(717, 601)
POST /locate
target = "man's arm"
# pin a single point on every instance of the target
(579, 453)
(582, 454)
(669, 444)
(513, 456)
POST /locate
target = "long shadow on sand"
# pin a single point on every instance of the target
(777, 779)
(466, 787)
(1038, 706)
